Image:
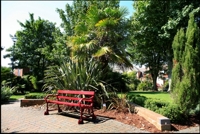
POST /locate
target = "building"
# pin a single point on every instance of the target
(21, 71)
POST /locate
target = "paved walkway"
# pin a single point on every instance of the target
(16, 119)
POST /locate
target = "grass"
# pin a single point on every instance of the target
(16, 97)
(156, 95)
(36, 93)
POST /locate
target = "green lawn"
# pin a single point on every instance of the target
(158, 95)
(16, 97)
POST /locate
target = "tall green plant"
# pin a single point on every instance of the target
(74, 74)
(186, 72)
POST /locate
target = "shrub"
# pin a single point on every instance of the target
(144, 86)
(34, 82)
(6, 73)
(195, 111)
(137, 99)
(116, 80)
(155, 104)
(166, 85)
(34, 96)
(6, 92)
(131, 80)
(171, 111)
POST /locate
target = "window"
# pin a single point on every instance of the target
(19, 70)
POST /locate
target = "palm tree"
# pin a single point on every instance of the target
(102, 35)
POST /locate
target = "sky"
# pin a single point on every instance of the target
(13, 11)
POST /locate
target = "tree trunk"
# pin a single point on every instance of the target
(169, 74)
(155, 88)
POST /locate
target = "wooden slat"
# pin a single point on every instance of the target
(69, 103)
(72, 98)
(76, 92)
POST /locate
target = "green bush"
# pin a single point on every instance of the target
(131, 80)
(116, 80)
(34, 96)
(137, 99)
(195, 111)
(34, 82)
(171, 111)
(166, 109)
(166, 85)
(5, 73)
(6, 92)
(155, 104)
(144, 86)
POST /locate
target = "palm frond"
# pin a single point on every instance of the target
(107, 22)
(102, 51)
(123, 12)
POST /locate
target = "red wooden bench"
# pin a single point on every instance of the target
(80, 99)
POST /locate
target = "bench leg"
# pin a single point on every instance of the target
(47, 111)
(80, 121)
(59, 109)
(93, 116)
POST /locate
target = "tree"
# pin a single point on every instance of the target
(84, 23)
(186, 72)
(102, 34)
(147, 48)
(76, 13)
(33, 45)
(178, 16)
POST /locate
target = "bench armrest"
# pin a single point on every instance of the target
(49, 95)
(88, 99)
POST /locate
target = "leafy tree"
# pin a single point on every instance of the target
(75, 13)
(89, 25)
(186, 72)
(33, 45)
(147, 48)
(178, 16)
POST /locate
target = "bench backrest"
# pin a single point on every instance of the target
(90, 93)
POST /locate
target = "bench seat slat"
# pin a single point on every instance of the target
(75, 92)
(72, 98)
(69, 103)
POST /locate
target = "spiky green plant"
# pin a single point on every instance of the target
(76, 74)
